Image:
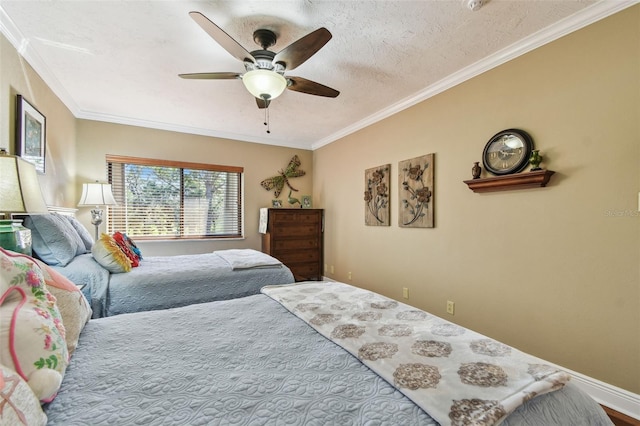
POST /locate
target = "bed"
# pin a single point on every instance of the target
(162, 282)
(269, 359)
(114, 287)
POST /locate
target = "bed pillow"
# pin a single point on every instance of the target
(73, 306)
(31, 330)
(83, 233)
(126, 248)
(18, 404)
(107, 253)
(54, 240)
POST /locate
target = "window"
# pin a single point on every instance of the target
(160, 199)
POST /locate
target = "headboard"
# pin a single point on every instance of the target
(66, 211)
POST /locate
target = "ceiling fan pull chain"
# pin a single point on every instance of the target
(266, 118)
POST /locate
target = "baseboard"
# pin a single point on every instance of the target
(618, 399)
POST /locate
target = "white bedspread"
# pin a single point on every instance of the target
(457, 376)
(247, 258)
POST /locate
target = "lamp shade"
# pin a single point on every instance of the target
(264, 84)
(19, 193)
(96, 194)
(19, 187)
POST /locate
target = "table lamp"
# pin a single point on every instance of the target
(96, 194)
(19, 193)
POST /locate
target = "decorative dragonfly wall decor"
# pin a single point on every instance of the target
(277, 182)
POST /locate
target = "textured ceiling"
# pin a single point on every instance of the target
(118, 61)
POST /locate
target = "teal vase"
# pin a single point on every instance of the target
(15, 237)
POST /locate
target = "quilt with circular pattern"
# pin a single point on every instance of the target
(456, 375)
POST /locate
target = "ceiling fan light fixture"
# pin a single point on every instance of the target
(264, 84)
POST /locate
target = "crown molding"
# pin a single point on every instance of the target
(22, 45)
(116, 119)
(585, 17)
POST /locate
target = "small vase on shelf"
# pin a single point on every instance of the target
(535, 160)
(476, 170)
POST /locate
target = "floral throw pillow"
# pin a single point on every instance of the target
(126, 248)
(18, 404)
(32, 336)
(109, 255)
(134, 248)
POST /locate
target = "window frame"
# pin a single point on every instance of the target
(152, 162)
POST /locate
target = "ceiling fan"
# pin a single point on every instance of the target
(264, 77)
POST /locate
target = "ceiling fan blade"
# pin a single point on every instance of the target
(303, 85)
(222, 38)
(302, 49)
(211, 75)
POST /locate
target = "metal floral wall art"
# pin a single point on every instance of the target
(416, 192)
(376, 196)
(277, 182)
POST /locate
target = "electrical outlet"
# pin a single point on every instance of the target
(332, 269)
(326, 268)
(451, 306)
(405, 292)
(349, 275)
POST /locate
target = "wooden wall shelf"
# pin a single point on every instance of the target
(524, 180)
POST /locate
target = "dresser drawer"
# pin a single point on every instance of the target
(295, 244)
(296, 230)
(298, 256)
(288, 218)
(305, 271)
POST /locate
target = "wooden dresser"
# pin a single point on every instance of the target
(295, 237)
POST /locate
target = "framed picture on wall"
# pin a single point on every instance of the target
(30, 134)
(377, 182)
(415, 192)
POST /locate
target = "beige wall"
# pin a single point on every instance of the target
(553, 271)
(18, 78)
(96, 139)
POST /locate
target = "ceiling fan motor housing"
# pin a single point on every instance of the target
(264, 61)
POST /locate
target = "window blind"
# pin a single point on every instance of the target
(160, 199)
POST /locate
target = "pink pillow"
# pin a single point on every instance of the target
(73, 306)
(32, 336)
(18, 404)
